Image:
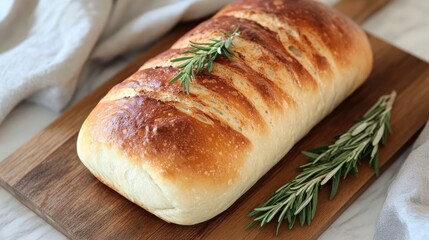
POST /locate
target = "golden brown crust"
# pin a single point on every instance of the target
(332, 27)
(261, 36)
(184, 145)
(146, 129)
(295, 61)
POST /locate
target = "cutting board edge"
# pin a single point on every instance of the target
(35, 209)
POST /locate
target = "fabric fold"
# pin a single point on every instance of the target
(405, 213)
(45, 44)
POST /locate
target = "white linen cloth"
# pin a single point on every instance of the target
(45, 44)
(405, 213)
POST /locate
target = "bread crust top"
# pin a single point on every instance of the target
(287, 51)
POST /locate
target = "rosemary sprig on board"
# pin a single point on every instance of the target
(201, 57)
(298, 198)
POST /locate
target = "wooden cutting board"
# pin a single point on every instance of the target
(46, 175)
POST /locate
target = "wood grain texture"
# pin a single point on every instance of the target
(46, 175)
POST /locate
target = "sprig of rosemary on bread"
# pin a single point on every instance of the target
(298, 198)
(201, 57)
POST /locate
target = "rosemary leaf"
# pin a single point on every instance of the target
(298, 198)
(201, 57)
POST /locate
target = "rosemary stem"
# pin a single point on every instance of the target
(298, 198)
(201, 57)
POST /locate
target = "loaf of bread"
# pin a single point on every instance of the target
(187, 158)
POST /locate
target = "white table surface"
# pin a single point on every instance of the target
(404, 23)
